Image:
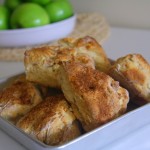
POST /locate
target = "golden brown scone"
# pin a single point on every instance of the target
(94, 96)
(51, 121)
(133, 72)
(88, 45)
(42, 64)
(17, 99)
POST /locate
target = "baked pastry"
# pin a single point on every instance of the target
(88, 45)
(94, 96)
(18, 98)
(133, 72)
(42, 64)
(51, 121)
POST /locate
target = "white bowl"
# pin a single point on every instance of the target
(37, 35)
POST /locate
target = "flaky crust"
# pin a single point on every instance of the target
(88, 45)
(94, 96)
(133, 72)
(17, 99)
(51, 121)
(42, 64)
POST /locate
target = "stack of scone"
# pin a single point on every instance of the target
(72, 88)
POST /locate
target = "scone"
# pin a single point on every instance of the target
(94, 96)
(51, 121)
(17, 99)
(88, 45)
(42, 64)
(133, 72)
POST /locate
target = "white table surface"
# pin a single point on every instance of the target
(122, 41)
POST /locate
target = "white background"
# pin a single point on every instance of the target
(124, 13)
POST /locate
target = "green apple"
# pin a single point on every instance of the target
(41, 2)
(4, 17)
(59, 10)
(12, 4)
(29, 15)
